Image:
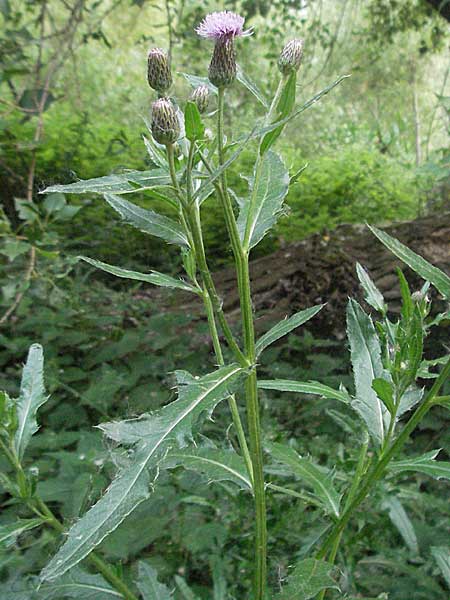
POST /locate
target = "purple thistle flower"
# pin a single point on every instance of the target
(224, 24)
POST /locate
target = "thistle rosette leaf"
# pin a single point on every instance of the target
(159, 75)
(165, 124)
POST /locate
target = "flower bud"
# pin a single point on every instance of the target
(158, 73)
(222, 69)
(165, 124)
(291, 57)
(201, 97)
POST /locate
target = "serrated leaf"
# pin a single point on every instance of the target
(149, 585)
(400, 519)
(156, 434)
(251, 86)
(367, 366)
(216, 464)
(260, 212)
(441, 555)
(148, 221)
(308, 578)
(286, 326)
(154, 277)
(372, 294)
(9, 532)
(427, 271)
(283, 109)
(32, 396)
(124, 183)
(425, 463)
(193, 124)
(80, 585)
(308, 387)
(317, 477)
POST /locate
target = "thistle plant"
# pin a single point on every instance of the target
(388, 400)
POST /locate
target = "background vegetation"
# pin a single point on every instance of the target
(73, 97)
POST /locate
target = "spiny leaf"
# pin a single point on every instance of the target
(441, 555)
(216, 464)
(284, 327)
(9, 532)
(80, 585)
(124, 183)
(425, 463)
(147, 220)
(429, 272)
(308, 578)
(156, 434)
(367, 366)
(308, 387)
(251, 86)
(283, 109)
(269, 187)
(149, 585)
(317, 477)
(32, 396)
(153, 277)
(372, 294)
(400, 519)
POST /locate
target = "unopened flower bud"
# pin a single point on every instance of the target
(158, 73)
(201, 97)
(165, 124)
(222, 69)
(418, 297)
(291, 57)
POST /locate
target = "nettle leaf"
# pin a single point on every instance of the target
(79, 584)
(123, 183)
(284, 327)
(441, 555)
(308, 578)
(372, 294)
(317, 477)
(193, 124)
(427, 271)
(148, 584)
(251, 86)
(216, 464)
(269, 187)
(426, 463)
(32, 396)
(367, 366)
(153, 277)
(155, 434)
(148, 221)
(308, 387)
(400, 519)
(11, 531)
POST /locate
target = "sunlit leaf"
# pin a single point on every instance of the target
(317, 477)
(32, 396)
(426, 463)
(155, 434)
(372, 294)
(260, 212)
(148, 221)
(284, 327)
(427, 271)
(154, 277)
(308, 578)
(123, 183)
(400, 519)
(367, 366)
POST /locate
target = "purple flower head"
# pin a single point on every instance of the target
(221, 25)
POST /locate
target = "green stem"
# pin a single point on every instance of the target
(38, 506)
(251, 387)
(378, 469)
(200, 256)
